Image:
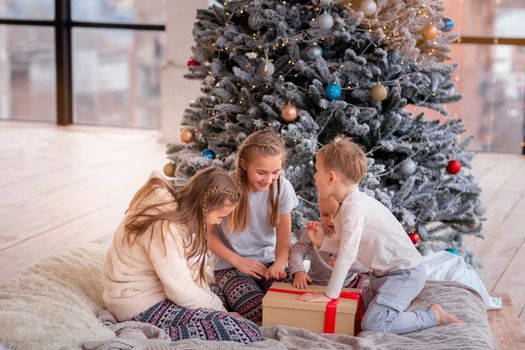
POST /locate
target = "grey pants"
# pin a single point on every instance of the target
(386, 298)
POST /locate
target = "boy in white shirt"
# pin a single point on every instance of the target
(367, 231)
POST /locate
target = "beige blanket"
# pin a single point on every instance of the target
(54, 305)
(474, 334)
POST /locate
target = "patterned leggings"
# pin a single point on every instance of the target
(242, 292)
(206, 324)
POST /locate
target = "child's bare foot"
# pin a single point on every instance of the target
(442, 316)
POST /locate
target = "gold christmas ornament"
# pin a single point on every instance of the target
(379, 92)
(429, 32)
(187, 135)
(289, 113)
(169, 169)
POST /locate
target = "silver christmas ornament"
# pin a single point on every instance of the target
(314, 51)
(325, 21)
(267, 68)
(480, 209)
(255, 21)
(474, 225)
(368, 7)
(251, 55)
(407, 167)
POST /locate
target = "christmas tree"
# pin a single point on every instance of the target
(315, 69)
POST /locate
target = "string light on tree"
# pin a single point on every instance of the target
(379, 92)
(333, 91)
(289, 113)
(453, 166)
(187, 135)
(169, 169)
(429, 32)
(368, 7)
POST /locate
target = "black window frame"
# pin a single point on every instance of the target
(63, 25)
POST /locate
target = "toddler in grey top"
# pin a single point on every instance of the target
(321, 262)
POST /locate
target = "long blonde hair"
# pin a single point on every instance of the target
(209, 189)
(260, 143)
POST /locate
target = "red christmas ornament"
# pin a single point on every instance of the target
(414, 237)
(453, 167)
(192, 62)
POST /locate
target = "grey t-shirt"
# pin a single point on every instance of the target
(258, 240)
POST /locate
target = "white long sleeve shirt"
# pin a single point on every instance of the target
(367, 231)
(154, 268)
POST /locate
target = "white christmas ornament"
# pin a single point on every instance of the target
(325, 21)
(407, 167)
(480, 209)
(368, 7)
(268, 68)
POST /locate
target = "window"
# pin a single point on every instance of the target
(98, 63)
(491, 72)
(27, 73)
(116, 77)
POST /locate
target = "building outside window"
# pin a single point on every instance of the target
(115, 70)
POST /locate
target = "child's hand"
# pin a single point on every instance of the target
(251, 267)
(332, 261)
(276, 271)
(315, 233)
(301, 279)
(314, 298)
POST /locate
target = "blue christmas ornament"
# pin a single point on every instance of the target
(448, 24)
(452, 250)
(333, 91)
(314, 51)
(208, 153)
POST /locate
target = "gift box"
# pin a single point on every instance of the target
(343, 315)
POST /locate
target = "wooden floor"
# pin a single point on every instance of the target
(62, 186)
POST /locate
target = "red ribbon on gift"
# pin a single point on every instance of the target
(331, 308)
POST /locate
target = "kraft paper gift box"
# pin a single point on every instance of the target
(343, 315)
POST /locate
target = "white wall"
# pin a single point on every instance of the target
(177, 92)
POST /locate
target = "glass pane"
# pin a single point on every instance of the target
(503, 18)
(27, 73)
(492, 81)
(27, 9)
(116, 77)
(119, 11)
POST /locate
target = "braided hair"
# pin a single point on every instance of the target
(261, 143)
(187, 207)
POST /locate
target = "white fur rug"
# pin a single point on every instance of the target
(53, 304)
